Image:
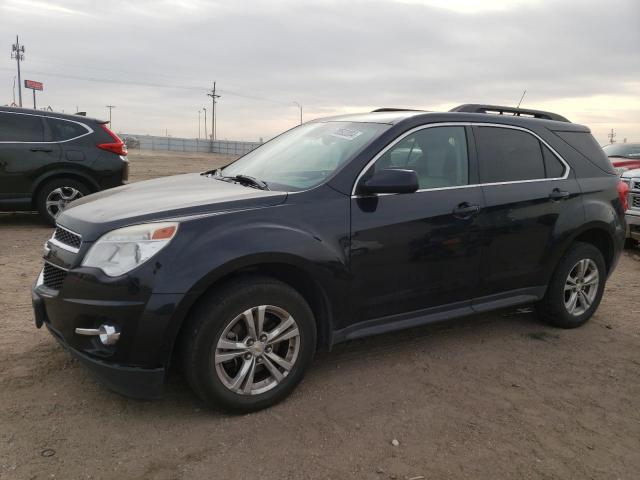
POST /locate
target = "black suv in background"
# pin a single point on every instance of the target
(339, 228)
(50, 159)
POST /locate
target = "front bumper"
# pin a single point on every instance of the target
(136, 365)
(633, 224)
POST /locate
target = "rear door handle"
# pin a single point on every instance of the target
(558, 194)
(465, 210)
(42, 149)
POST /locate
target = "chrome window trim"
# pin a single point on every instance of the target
(87, 127)
(567, 168)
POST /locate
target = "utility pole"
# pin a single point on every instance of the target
(199, 115)
(213, 96)
(612, 136)
(17, 52)
(110, 107)
(205, 121)
(300, 107)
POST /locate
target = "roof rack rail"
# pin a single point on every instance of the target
(396, 110)
(500, 110)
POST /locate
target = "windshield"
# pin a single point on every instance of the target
(622, 150)
(305, 156)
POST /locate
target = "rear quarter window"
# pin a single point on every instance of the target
(17, 127)
(65, 130)
(585, 144)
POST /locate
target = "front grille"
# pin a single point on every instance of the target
(635, 185)
(67, 237)
(635, 201)
(53, 276)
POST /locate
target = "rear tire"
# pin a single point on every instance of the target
(630, 243)
(231, 366)
(54, 196)
(576, 287)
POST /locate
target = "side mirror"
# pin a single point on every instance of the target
(391, 180)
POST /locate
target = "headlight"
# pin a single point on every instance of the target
(122, 250)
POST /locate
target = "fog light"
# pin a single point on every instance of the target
(107, 333)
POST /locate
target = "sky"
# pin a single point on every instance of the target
(155, 60)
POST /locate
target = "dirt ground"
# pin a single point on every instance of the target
(496, 396)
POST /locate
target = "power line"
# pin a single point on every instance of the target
(156, 85)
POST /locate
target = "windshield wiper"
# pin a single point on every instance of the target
(261, 184)
(252, 181)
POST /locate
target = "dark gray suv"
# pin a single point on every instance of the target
(49, 159)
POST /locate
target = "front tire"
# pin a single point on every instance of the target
(248, 345)
(576, 287)
(54, 196)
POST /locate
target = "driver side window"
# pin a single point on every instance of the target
(438, 155)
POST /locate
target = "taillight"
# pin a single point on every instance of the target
(623, 190)
(117, 146)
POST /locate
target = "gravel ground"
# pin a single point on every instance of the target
(491, 396)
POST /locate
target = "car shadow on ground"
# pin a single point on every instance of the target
(520, 321)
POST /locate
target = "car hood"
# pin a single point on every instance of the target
(161, 198)
(635, 173)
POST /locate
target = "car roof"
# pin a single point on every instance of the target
(45, 113)
(396, 116)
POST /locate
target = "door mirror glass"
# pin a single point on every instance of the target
(391, 180)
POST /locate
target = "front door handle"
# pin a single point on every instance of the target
(41, 149)
(558, 194)
(465, 210)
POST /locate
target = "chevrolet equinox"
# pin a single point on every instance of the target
(339, 228)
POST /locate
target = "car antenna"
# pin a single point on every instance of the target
(523, 94)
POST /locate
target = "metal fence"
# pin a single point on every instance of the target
(175, 144)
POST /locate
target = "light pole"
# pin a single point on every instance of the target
(205, 121)
(199, 113)
(110, 107)
(300, 107)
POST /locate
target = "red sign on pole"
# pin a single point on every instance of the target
(32, 84)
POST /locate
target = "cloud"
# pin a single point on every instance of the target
(155, 59)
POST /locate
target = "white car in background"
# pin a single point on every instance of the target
(632, 178)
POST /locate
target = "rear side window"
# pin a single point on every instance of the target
(507, 155)
(16, 127)
(585, 144)
(64, 130)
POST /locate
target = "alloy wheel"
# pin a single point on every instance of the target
(581, 286)
(257, 350)
(58, 199)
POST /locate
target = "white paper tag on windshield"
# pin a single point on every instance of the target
(346, 133)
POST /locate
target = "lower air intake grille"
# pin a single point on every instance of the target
(53, 276)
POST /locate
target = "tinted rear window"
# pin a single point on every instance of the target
(64, 130)
(507, 155)
(16, 127)
(585, 144)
